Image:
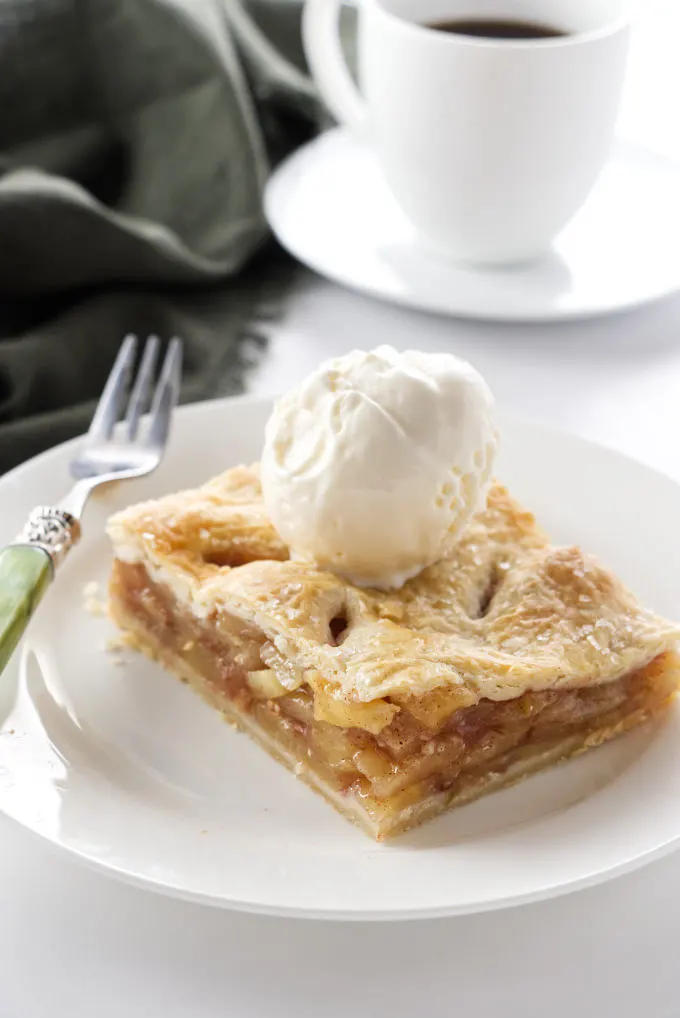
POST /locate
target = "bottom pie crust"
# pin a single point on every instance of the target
(380, 818)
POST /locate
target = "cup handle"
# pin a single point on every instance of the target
(321, 40)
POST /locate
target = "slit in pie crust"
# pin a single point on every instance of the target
(508, 656)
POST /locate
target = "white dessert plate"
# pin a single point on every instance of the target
(330, 207)
(121, 766)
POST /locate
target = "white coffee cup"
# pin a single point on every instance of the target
(489, 145)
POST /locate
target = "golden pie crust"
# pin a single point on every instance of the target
(508, 629)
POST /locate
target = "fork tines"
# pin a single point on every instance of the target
(165, 395)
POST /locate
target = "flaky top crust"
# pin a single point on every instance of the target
(507, 612)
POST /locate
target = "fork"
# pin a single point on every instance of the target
(109, 453)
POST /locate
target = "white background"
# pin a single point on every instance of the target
(74, 944)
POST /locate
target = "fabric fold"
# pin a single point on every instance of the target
(135, 142)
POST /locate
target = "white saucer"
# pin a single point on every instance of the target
(329, 206)
(121, 766)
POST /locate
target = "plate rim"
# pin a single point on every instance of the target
(149, 883)
(248, 907)
(254, 398)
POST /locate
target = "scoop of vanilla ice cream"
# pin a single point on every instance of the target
(374, 463)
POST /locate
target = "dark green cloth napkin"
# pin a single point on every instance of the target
(135, 140)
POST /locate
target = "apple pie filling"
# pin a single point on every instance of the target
(421, 753)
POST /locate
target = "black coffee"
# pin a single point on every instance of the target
(495, 28)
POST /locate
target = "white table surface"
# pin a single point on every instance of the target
(76, 944)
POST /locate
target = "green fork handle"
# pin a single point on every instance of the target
(27, 568)
(25, 575)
